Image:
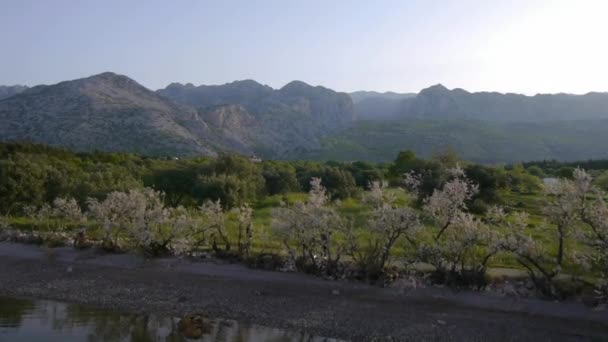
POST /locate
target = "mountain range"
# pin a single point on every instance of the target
(275, 123)
(112, 112)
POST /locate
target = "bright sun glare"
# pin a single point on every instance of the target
(559, 45)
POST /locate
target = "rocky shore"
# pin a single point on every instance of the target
(345, 310)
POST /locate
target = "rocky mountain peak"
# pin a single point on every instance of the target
(247, 84)
(296, 86)
(111, 79)
(437, 89)
(108, 112)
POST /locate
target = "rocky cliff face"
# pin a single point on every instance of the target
(247, 93)
(112, 112)
(104, 112)
(270, 122)
(331, 109)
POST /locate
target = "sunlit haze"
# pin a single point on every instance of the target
(508, 46)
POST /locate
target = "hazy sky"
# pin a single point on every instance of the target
(522, 46)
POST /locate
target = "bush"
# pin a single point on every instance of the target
(458, 244)
(387, 225)
(307, 231)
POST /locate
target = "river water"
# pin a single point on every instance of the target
(42, 320)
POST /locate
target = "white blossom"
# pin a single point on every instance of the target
(138, 216)
(377, 196)
(412, 181)
(244, 216)
(210, 225)
(462, 244)
(445, 205)
(68, 208)
(307, 229)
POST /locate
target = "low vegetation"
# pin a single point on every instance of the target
(442, 217)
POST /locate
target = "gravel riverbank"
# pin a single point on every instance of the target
(344, 310)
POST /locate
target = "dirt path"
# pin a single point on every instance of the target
(344, 310)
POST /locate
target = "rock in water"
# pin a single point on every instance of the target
(193, 326)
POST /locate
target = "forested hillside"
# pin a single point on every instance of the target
(475, 140)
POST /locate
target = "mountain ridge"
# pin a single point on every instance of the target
(8, 91)
(106, 112)
(295, 116)
(113, 112)
(437, 102)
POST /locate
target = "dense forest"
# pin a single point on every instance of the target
(36, 174)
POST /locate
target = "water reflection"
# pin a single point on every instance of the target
(40, 320)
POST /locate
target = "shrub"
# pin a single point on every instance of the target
(307, 231)
(388, 224)
(458, 244)
(140, 218)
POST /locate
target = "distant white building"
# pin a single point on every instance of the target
(255, 159)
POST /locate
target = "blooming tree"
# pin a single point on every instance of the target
(244, 215)
(387, 225)
(459, 244)
(68, 211)
(446, 205)
(112, 214)
(139, 217)
(68, 208)
(307, 230)
(180, 221)
(568, 204)
(529, 252)
(596, 217)
(213, 222)
(593, 211)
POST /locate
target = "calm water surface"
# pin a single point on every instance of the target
(41, 320)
